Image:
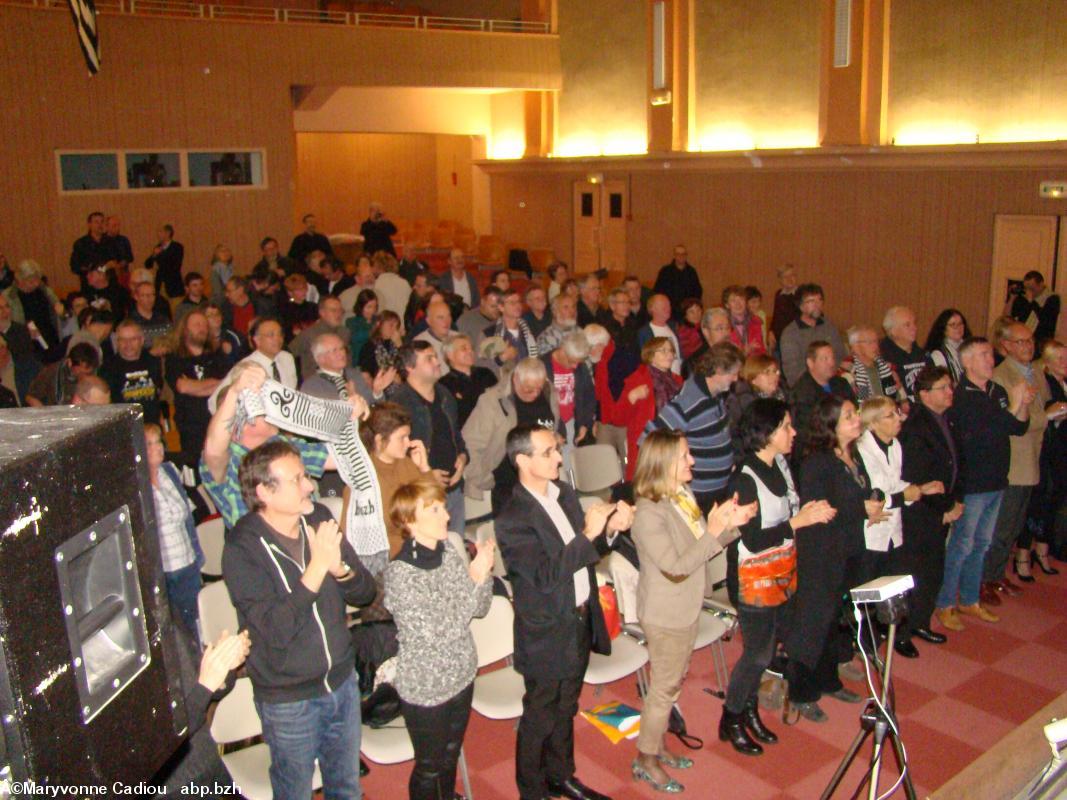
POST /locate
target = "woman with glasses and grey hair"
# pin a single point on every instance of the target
(524, 396)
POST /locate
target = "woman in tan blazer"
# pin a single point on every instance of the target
(674, 542)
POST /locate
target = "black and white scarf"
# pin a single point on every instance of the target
(331, 421)
(862, 379)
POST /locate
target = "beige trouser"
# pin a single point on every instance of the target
(669, 651)
(615, 435)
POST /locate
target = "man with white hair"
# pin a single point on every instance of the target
(564, 320)
(589, 299)
(564, 368)
(331, 320)
(525, 397)
(871, 375)
(660, 324)
(900, 349)
(513, 330)
(714, 328)
(465, 379)
(377, 231)
(91, 391)
(333, 372)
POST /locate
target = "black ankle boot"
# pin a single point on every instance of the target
(732, 729)
(755, 725)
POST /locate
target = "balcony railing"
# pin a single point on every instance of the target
(220, 11)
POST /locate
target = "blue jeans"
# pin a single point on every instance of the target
(183, 587)
(324, 728)
(967, 545)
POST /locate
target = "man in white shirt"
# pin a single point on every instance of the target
(659, 312)
(267, 337)
(557, 609)
(438, 326)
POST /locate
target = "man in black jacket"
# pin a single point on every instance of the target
(166, 259)
(983, 417)
(929, 454)
(678, 280)
(819, 380)
(290, 572)
(550, 548)
(307, 241)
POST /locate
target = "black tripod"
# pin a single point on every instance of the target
(878, 720)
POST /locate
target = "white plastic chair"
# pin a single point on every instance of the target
(596, 468)
(217, 613)
(627, 657)
(335, 505)
(391, 744)
(476, 512)
(497, 694)
(211, 533)
(487, 531)
(236, 720)
(716, 597)
(457, 542)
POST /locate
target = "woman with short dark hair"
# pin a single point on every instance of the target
(761, 566)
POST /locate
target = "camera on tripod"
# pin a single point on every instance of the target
(888, 595)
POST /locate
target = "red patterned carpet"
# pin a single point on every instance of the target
(954, 701)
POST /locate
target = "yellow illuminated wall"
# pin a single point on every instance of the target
(757, 74)
(964, 71)
(603, 46)
(508, 133)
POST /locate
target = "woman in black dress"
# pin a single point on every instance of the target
(829, 557)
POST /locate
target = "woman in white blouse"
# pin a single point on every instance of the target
(178, 544)
(882, 457)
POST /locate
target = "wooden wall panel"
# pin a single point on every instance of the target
(872, 237)
(192, 84)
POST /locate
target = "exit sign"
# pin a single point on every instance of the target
(1053, 190)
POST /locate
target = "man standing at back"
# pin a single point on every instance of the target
(309, 240)
(290, 573)
(91, 250)
(550, 547)
(808, 327)
(678, 280)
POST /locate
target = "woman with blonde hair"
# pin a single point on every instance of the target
(433, 595)
(648, 389)
(883, 459)
(674, 542)
(221, 271)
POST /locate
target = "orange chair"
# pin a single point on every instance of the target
(467, 242)
(491, 252)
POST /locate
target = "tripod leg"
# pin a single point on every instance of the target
(846, 762)
(909, 788)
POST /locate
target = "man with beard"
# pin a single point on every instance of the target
(193, 371)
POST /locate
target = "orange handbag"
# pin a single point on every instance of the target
(610, 606)
(768, 578)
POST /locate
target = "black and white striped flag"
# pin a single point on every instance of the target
(84, 13)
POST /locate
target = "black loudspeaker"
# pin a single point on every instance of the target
(90, 691)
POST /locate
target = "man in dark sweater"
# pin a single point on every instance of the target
(1036, 307)
(290, 573)
(377, 232)
(983, 418)
(678, 280)
(166, 259)
(133, 375)
(899, 347)
(308, 240)
(119, 248)
(92, 249)
(819, 380)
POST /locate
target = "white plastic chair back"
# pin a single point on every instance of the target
(624, 578)
(334, 504)
(487, 531)
(211, 533)
(236, 718)
(596, 467)
(715, 572)
(457, 542)
(493, 632)
(217, 613)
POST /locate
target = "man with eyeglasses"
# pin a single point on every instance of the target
(134, 375)
(715, 328)
(871, 375)
(550, 547)
(1024, 470)
(808, 327)
(929, 453)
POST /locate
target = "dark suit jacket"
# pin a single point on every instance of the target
(541, 570)
(346, 282)
(168, 266)
(926, 457)
(446, 284)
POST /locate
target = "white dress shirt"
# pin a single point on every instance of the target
(550, 503)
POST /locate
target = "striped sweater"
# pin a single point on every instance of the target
(703, 419)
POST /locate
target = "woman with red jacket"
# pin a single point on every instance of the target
(650, 387)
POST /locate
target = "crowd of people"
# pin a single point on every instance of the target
(809, 458)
